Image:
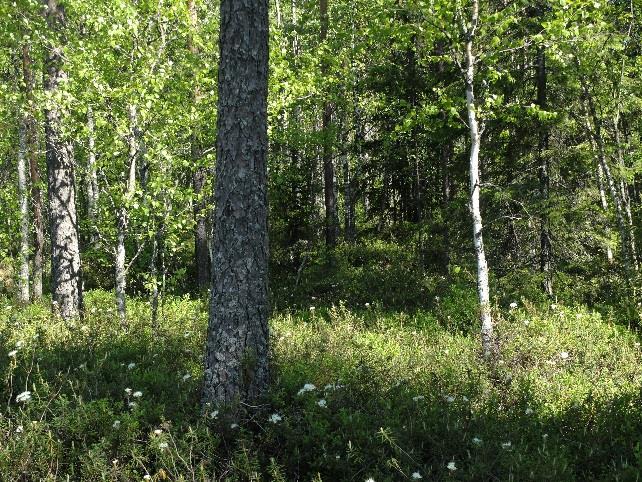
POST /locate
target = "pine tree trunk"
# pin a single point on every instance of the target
(475, 187)
(23, 201)
(236, 361)
(329, 189)
(66, 284)
(34, 174)
(546, 251)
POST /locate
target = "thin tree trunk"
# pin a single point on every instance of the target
(329, 190)
(626, 198)
(605, 207)
(546, 251)
(23, 201)
(236, 361)
(66, 278)
(201, 254)
(92, 175)
(475, 187)
(123, 218)
(34, 174)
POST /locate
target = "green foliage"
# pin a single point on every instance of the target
(393, 394)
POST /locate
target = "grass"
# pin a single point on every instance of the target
(395, 394)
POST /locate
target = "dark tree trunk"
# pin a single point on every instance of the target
(329, 190)
(66, 285)
(201, 250)
(236, 361)
(546, 250)
(34, 174)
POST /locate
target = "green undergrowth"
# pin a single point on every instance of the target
(357, 394)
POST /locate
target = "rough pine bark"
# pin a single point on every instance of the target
(66, 284)
(236, 360)
(23, 201)
(475, 187)
(34, 174)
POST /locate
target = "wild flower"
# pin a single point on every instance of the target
(147, 477)
(416, 476)
(322, 403)
(308, 387)
(158, 431)
(137, 394)
(234, 425)
(20, 429)
(370, 479)
(477, 440)
(116, 424)
(564, 355)
(214, 414)
(19, 344)
(451, 466)
(367, 305)
(449, 398)
(128, 391)
(23, 397)
(163, 445)
(12, 353)
(513, 305)
(528, 411)
(132, 404)
(312, 308)
(187, 376)
(131, 366)
(275, 418)
(506, 445)
(417, 398)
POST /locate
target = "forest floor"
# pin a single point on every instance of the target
(357, 395)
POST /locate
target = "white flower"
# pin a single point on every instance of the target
(12, 353)
(20, 429)
(131, 366)
(275, 418)
(416, 476)
(417, 398)
(477, 440)
(529, 411)
(214, 414)
(163, 445)
(158, 431)
(19, 344)
(132, 404)
(23, 397)
(465, 398)
(322, 403)
(564, 355)
(553, 306)
(308, 387)
(451, 466)
(312, 308)
(128, 391)
(116, 424)
(137, 394)
(234, 425)
(527, 322)
(506, 445)
(367, 305)
(187, 376)
(147, 477)
(186, 334)
(449, 398)
(513, 305)
(370, 479)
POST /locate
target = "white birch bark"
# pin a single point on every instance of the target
(23, 200)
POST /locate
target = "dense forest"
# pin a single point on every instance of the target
(315, 240)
